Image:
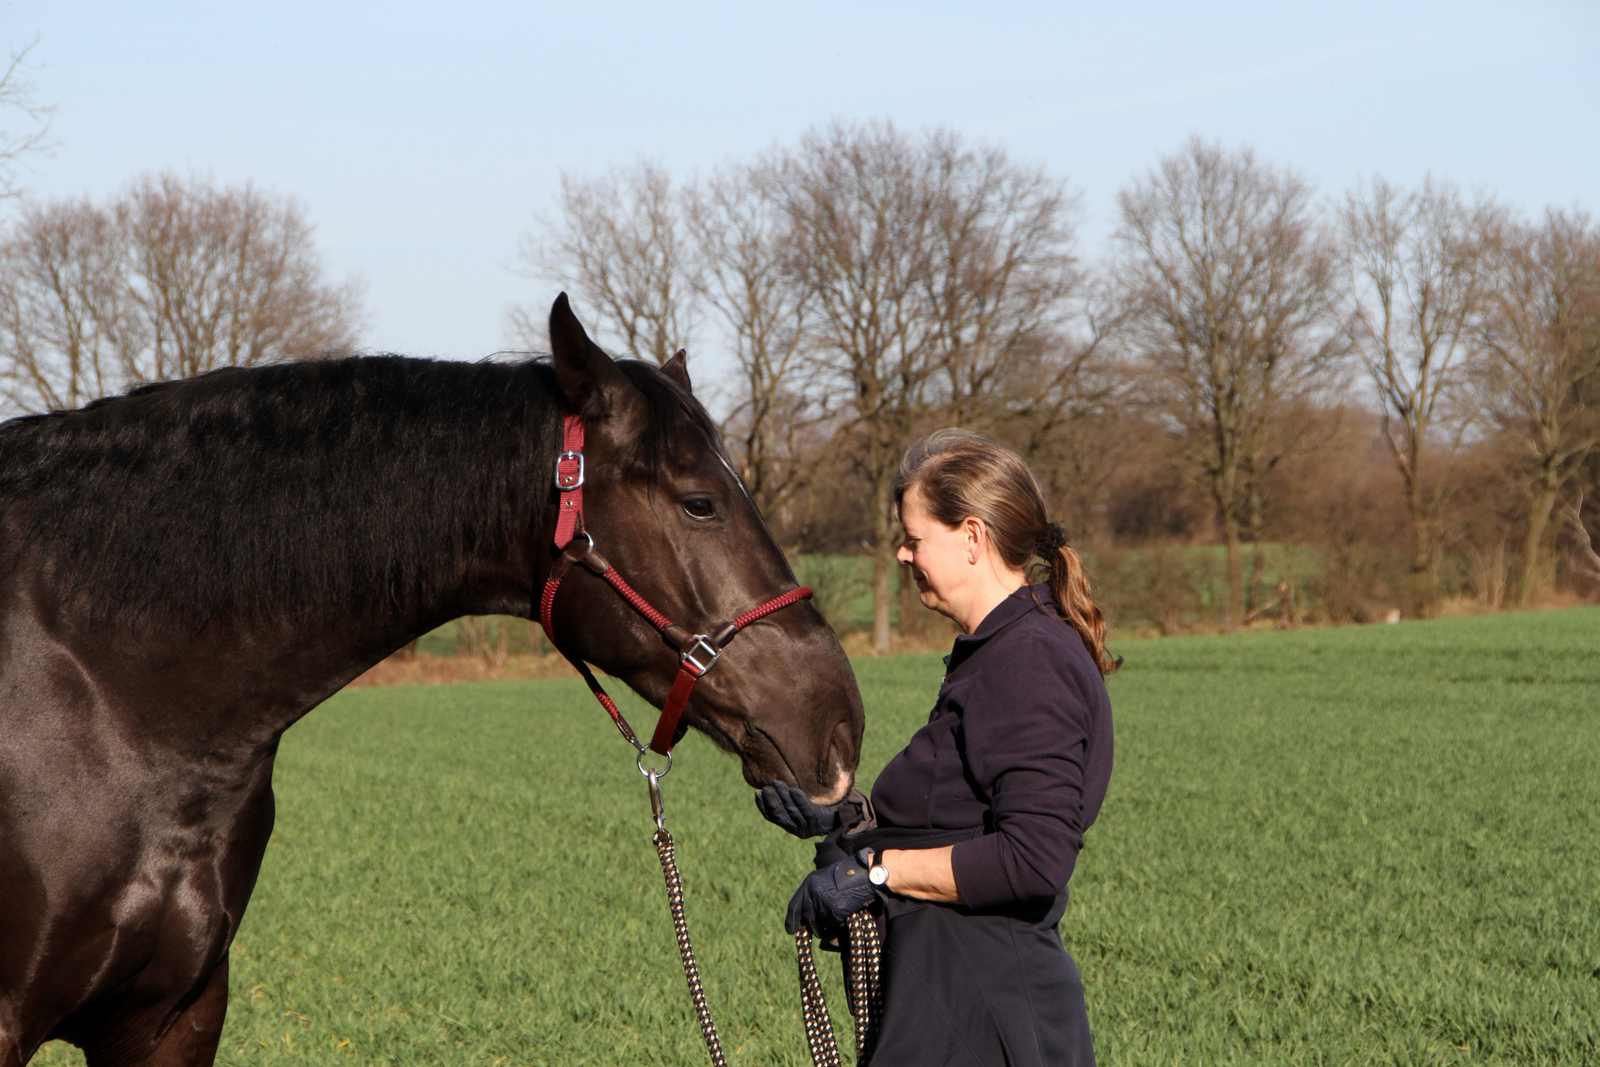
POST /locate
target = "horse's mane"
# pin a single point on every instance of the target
(288, 490)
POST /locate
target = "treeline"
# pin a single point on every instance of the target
(1404, 383)
(168, 279)
(1386, 398)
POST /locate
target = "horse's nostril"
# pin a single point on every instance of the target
(838, 766)
(843, 752)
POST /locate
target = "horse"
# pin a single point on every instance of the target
(187, 569)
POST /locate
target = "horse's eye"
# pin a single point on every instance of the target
(699, 507)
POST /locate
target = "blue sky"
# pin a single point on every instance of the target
(422, 139)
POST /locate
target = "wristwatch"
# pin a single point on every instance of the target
(878, 874)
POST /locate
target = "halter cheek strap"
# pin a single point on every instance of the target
(697, 653)
(569, 479)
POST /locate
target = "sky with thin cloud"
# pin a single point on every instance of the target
(423, 139)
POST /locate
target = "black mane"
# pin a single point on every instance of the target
(292, 489)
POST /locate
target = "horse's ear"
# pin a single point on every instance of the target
(678, 369)
(591, 382)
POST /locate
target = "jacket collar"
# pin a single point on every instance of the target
(1002, 615)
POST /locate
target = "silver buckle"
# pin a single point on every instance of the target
(564, 486)
(701, 646)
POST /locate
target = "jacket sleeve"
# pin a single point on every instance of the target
(1025, 726)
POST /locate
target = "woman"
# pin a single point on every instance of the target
(980, 819)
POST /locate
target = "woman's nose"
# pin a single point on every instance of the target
(902, 555)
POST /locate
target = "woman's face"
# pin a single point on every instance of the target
(940, 556)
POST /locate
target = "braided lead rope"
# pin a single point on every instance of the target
(814, 1007)
(863, 979)
(863, 988)
(863, 961)
(680, 926)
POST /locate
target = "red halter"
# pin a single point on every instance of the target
(697, 652)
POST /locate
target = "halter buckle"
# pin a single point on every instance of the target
(576, 482)
(700, 647)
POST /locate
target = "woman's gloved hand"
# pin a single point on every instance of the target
(831, 895)
(788, 807)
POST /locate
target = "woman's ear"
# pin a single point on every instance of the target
(977, 538)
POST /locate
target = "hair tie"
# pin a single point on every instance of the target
(1050, 540)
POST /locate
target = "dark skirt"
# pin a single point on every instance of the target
(966, 988)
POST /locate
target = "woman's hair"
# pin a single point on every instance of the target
(961, 474)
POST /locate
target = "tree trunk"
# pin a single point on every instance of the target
(881, 562)
(1422, 591)
(1252, 528)
(1258, 574)
(1233, 610)
(1422, 575)
(883, 550)
(1532, 549)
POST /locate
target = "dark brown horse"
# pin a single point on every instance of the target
(187, 570)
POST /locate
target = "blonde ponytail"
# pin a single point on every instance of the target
(1069, 588)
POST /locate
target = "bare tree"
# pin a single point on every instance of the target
(1001, 281)
(742, 242)
(173, 279)
(1228, 278)
(619, 242)
(934, 272)
(1077, 441)
(1070, 382)
(227, 277)
(1417, 278)
(67, 329)
(17, 104)
(862, 205)
(1541, 333)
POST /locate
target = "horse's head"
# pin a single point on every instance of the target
(666, 509)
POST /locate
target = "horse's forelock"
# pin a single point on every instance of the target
(679, 427)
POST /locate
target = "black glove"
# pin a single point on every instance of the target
(788, 807)
(830, 896)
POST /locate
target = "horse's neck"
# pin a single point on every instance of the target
(251, 677)
(237, 685)
(272, 574)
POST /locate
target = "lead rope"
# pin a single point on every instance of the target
(680, 921)
(819, 1024)
(864, 985)
(863, 956)
(863, 990)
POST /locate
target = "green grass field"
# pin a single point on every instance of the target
(1374, 845)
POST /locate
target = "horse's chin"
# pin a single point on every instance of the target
(834, 794)
(823, 794)
(763, 763)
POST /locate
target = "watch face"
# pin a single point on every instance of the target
(879, 875)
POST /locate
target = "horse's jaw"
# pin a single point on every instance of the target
(763, 762)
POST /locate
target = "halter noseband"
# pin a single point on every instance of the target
(697, 653)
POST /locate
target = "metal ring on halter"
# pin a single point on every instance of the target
(647, 773)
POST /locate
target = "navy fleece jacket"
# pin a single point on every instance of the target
(1018, 743)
